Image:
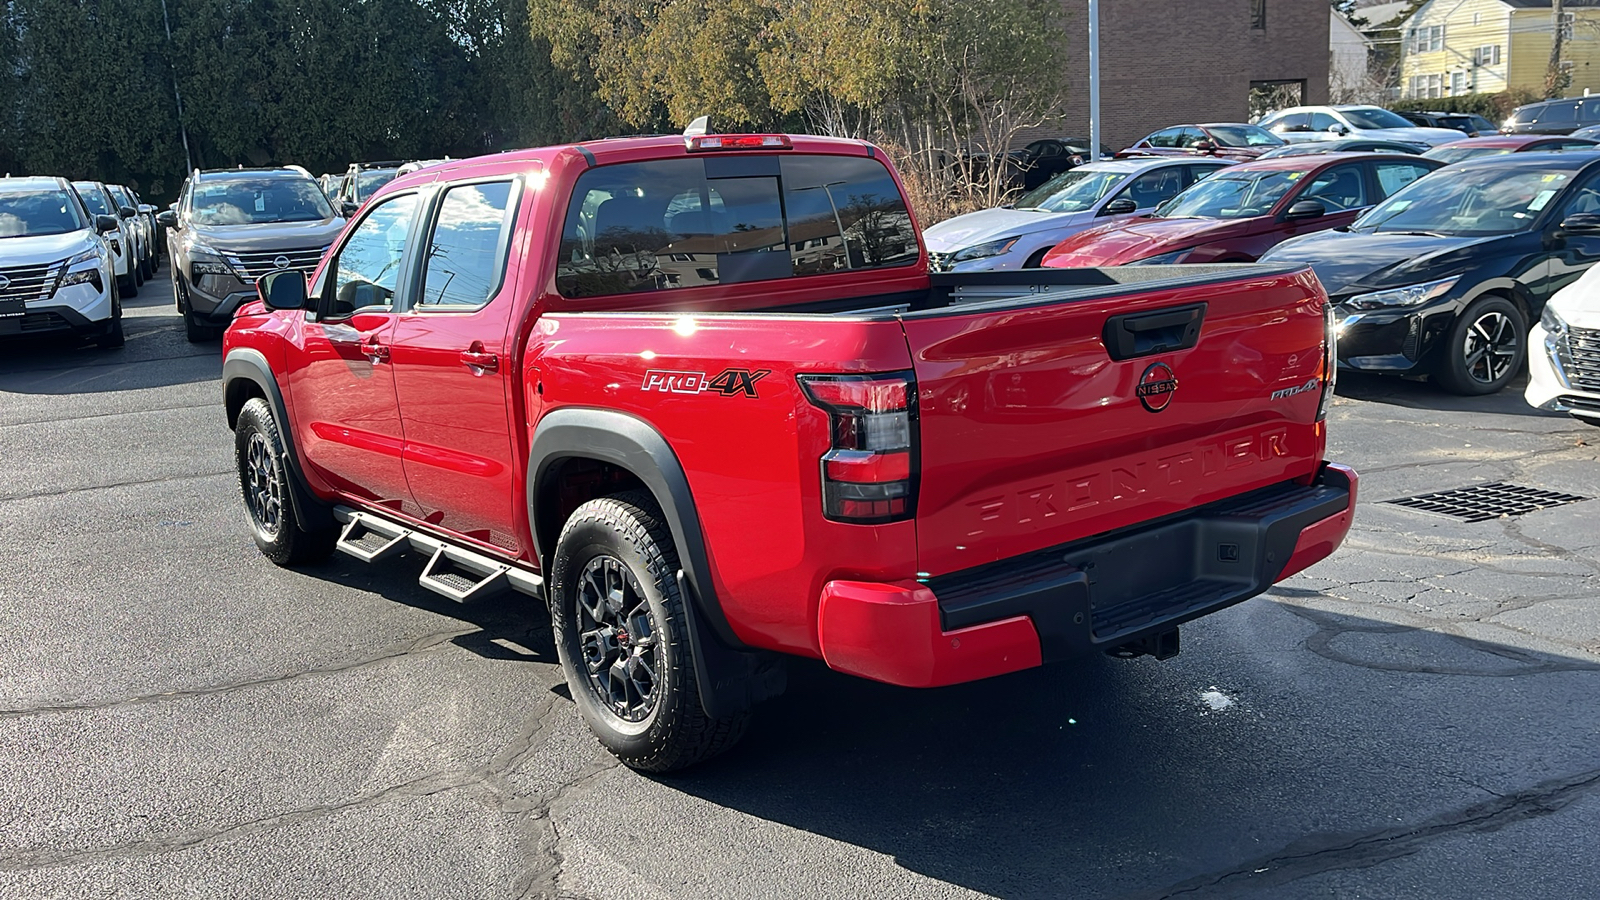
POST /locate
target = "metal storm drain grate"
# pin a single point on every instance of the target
(1482, 502)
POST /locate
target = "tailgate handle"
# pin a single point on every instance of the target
(1159, 331)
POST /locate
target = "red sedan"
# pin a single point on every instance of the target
(1496, 144)
(1240, 212)
(1229, 140)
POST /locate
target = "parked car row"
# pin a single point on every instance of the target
(69, 252)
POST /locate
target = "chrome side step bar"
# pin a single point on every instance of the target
(452, 571)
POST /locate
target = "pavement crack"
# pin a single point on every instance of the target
(120, 484)
(423, 644)
(1314, 856)
(109, 415)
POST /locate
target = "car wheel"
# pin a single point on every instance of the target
(198, 332)
(264, 482)
(622, 636)
(138, 274)
(113, 337)
(1487, 347)
(128, 284)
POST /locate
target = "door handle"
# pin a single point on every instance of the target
(374, 351)
(480, 362)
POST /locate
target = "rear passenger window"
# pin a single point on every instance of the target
(1556, 113)
(467, 250)
(726, 219)
(1153, 188)
(1392, 176)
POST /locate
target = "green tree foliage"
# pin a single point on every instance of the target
(87, 86)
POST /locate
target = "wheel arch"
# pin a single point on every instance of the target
(246, 375)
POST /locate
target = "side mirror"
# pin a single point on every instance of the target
(1581, 223)
(1305, 209)
(284, 289)
(127, 212)
(348, 208)
(1120, 207)
(1204, 146)
(1336, 128)
(105, 223)
(167, 219)
(147, 208)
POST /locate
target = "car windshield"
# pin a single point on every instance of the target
(1231, 195)
(1478, 201)
(1448, 155)
(1074, 190)
(35, 213)
(1244, 136)
(120, 194)
(370, 181)
(94, 198)
(1373, 117)
(255, 201)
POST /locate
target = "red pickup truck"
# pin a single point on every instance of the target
(702, 396)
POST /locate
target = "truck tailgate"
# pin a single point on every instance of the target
(1063, 417)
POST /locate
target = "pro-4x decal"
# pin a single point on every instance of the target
(728, 382)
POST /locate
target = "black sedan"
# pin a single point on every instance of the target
(1348, 145)
(1444, 276)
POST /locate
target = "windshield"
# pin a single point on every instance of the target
(255, 201)
(1488, 200)
(35, 213)
(1448, 155)
(1074, 190)
(94, 198)
(120, 194)
(1244, 136)
(1231, 195)
(1373, 117)
(368, 182)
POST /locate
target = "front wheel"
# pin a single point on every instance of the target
(1485, 348)
(264, 482)
(622, 636)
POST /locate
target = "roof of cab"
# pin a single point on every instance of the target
(31, 183)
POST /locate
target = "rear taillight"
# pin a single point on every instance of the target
(1330, 359)
(869, 473)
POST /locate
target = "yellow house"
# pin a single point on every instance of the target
(1454, 47)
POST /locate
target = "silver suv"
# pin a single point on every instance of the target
(232, 226)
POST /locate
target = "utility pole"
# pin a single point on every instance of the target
(1094, 79)
(1552, 75)
(183, 132)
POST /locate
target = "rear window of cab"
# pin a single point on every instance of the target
(729, 219)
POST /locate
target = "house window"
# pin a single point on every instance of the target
(1566, 25)
(1258, 15)
(1487, 55)
(1427, 39)
(1427, 87)
(1458, 82)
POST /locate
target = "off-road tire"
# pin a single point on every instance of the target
(1456, 371)
(198, 332)
(675, 732)
(259, 455)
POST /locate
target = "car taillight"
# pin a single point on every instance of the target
(702, 142)
(870, 470)
(1330, 359)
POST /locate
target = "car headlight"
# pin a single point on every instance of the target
(1553, 324)
(1165, 259)
(1410, 295)
(985, 250)
(205, 261)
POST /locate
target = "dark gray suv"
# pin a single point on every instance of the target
(232, 226)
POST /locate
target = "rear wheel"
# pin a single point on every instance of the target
(264, 482)
(1485, 348)
(622, 636)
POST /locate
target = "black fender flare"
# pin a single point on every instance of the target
(244, 364)
(731, 677)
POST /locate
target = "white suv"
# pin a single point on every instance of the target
(56, 272)
(1330, 123)
(123, 240)
(1564, 351)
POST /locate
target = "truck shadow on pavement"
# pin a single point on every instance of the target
(1224, 769)
(1414, 394)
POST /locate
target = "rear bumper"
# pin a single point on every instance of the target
(1090, 596)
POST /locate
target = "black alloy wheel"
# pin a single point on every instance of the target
(617, 632)
(1487, 348)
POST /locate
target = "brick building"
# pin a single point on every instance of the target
(1169, 62)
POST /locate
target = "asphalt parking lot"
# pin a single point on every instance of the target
(1414, 717)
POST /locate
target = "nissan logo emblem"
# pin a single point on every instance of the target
(281, 262)
(1156, 387)
(4, 282)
